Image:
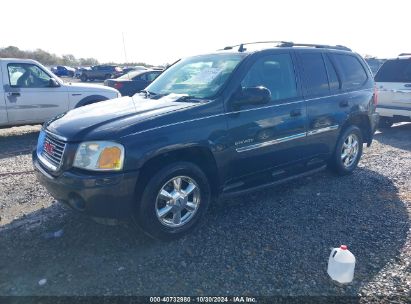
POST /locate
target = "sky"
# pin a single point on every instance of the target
(162, 31)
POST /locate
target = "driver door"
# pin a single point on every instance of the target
(269, 137)
(29, 96)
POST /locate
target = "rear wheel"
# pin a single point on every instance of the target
(107, 76)
(83, 78)
(385, 123)
(348, 151)
(174, 201)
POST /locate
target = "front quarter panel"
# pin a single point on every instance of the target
(202, 126)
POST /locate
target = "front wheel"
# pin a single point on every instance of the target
(83, 78)
(348, 151)
(174, 201)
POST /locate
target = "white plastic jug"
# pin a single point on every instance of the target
(341, 265)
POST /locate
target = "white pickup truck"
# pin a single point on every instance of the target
(31, 94)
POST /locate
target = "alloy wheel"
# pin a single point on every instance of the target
(177, 201)
(349, 151)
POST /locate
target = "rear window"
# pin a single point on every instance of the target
(352, 72)
(397, 70)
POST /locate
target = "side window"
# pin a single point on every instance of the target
(352, 72)
(276, 73)
(332, 75)
(22, 75)
(152, 76)
(139, 77)
(315, 74)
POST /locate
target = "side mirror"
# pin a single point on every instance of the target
(53, 83)
(252, 96)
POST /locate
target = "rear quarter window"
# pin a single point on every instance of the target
(353, 74)
(397, 70)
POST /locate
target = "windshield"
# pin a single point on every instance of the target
(199, 77)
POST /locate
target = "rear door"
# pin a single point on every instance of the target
(394, 84)
(29, 96)
(334, 88)
(325, 106)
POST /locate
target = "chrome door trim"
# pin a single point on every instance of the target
(271, 142)
(322, 130)
(285, 139)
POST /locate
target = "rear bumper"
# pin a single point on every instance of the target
(111, 195)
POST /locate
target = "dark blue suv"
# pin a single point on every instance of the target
(224, 123)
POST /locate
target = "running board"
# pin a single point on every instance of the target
(252, 189)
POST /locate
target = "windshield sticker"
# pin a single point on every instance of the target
(206, 75)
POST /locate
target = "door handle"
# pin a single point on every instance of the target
(344, 104)
(295, 112)
(13, 94)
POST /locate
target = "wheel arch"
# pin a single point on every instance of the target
(90, 99)
(362, 121)
(199, 155)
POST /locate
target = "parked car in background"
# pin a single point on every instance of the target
(133, 82)
(222, 123)
(31, 94)
(129, 69)
(394, 85)
(80, 70)
(375, 64)
(101, 72)
(61, 70)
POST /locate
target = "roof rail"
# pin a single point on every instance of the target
(287, 44)
(319, 46)
(405, 54)
(241, 46)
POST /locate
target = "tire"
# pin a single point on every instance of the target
(385, 123)
(157, 217)
(338, 162)
(107, 76)
(83, 78)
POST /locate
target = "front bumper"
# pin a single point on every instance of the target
(107, 195)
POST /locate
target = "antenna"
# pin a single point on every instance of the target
(124, 47)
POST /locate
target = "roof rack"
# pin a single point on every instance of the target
(405, 54)
(241, 47)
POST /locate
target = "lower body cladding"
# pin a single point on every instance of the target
(101, 196)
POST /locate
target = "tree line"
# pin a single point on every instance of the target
(49, 59)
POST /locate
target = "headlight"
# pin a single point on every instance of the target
(99, 156)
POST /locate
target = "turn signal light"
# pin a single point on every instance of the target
(110, 158)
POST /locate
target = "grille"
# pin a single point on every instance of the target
(53, 150)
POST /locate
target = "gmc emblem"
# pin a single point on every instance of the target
(49, 148)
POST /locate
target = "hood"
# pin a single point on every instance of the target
(114, 118)
(85, 87)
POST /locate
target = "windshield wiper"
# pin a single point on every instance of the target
(148, 93)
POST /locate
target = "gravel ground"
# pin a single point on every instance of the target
(272, 242)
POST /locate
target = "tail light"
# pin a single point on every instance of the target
(375, 95)
(118, 85)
